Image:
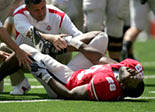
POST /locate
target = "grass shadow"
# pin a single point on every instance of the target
(28, 96)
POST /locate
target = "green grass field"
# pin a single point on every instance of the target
(36, 100)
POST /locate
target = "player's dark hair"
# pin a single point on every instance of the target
(28, 2)
(135, 92)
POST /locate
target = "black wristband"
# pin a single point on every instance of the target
(127, 44)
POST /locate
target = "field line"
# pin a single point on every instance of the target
(152, 63)
(45, 100)
(24, 101)
(148, 98)
(149, 77)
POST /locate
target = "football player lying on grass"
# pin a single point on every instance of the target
(96, 39)
(112, 81)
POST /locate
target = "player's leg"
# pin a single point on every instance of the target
(12, 62)
(99, 42)
(94, 12)
(60, 71)
(77, 16)
(116, 15)
(20, 83)
(139, 22)
(73, 8)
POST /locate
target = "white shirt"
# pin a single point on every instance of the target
(55, 22)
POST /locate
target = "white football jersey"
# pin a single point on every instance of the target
(55, 22)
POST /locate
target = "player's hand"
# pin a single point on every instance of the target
(57, 40)
(3, 56)
(44, 43)
(23, 58)
(59, 43)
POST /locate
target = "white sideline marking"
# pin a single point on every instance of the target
(149, 77)
(152, 63)
(44, 100)
(21, 101)
(151, 91)
(37, 87)
(148, 98)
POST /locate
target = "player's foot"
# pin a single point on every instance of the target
(39, 70)
(21, 88)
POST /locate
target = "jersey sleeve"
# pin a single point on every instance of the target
(103, 87)
(22, 24)
(68, 27)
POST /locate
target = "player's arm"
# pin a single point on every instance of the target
(91, 53)
(95, 56)
(21, 55)
(87, 37)
(106, 60)
(77, 93)
(57, 40)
